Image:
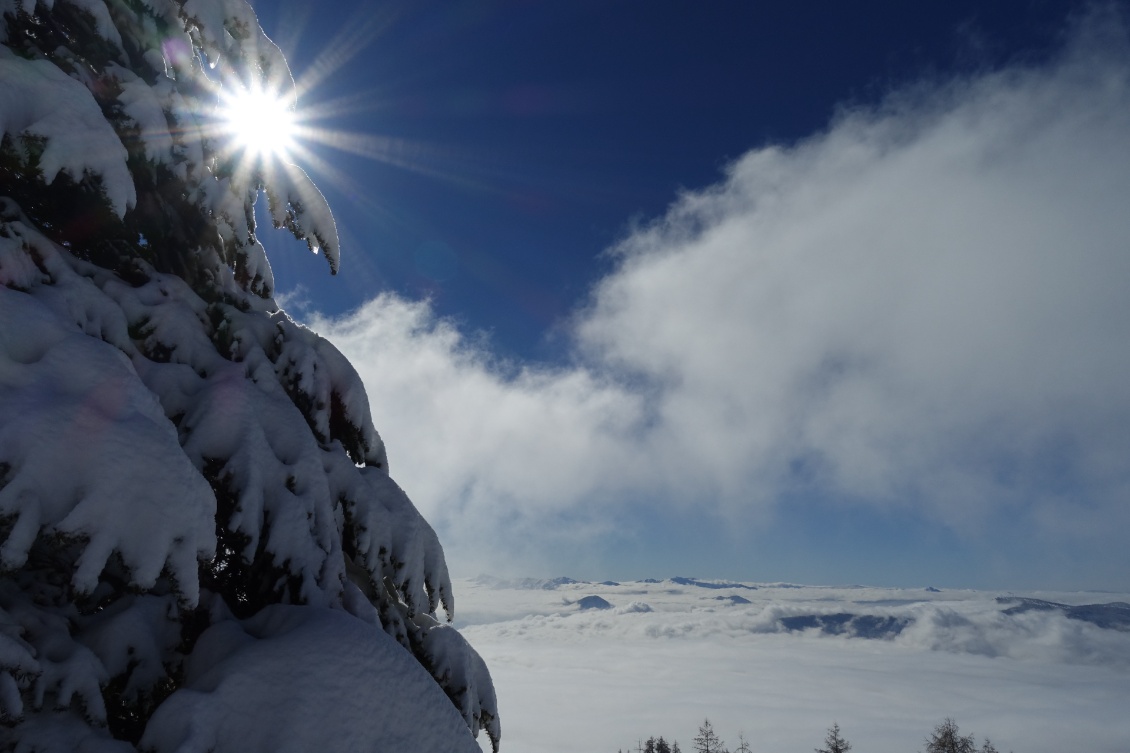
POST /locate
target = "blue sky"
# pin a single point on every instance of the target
(524, 137)
(861, 324)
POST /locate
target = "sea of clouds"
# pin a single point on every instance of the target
(656, 658)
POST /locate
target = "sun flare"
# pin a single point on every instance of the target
(260, 122)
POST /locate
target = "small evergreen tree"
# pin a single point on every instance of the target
(661, 746)
(707, 740)
(743, 745)
(947, 738)
(834, 742)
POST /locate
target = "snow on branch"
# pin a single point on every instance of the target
(91, 456)
(298, 205)
(39, 103)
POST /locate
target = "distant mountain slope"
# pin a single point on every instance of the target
(710, 583)
(851, 625)
(1114, 615)
(525, 584)
(733, 599)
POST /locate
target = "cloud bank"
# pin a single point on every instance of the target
(1032, 681)
(922, 308)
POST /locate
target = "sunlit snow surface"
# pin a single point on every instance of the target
(886, 664)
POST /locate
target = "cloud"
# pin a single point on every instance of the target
(1021, 679)
(480, 442)
(922, 307)
(963, 622)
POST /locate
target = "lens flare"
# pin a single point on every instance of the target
(260, 122)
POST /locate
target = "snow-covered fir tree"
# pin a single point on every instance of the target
(201, 547)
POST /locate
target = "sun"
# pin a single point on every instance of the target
(257, 124)
(259, 121)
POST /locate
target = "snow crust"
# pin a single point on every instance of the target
(325, 679)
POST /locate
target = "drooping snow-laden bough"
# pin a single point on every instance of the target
(201, 548)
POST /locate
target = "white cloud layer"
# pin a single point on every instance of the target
(924, 306)
(571, 679)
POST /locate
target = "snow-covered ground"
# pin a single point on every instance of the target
(1032, 671)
